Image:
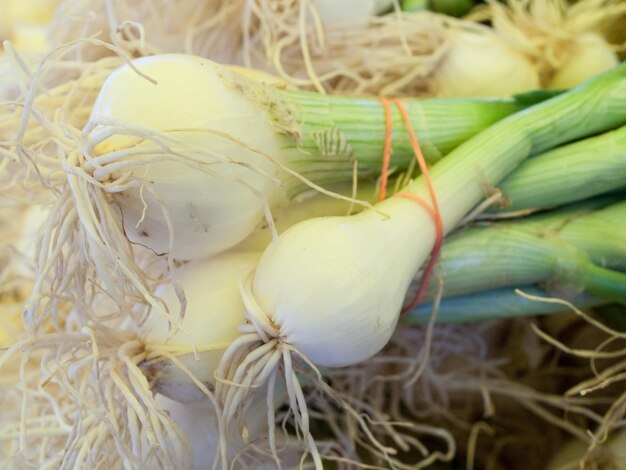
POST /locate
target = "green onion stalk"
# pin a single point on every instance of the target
(500, 303)
(568, 174)
(576, 253)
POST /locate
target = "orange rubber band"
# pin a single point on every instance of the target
(433, 210)
(384, 172)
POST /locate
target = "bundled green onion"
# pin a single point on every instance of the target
(567, 174)
(572, 254)
(239, 143)
(347, 276)
(342, 315)
(187, 159)
(302, 251)
(201, 171)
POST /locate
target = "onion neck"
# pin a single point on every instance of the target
(335, 131)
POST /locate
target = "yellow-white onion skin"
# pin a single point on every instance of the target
(214, 311)
(259, 76)
(481, 64)
(334, 286)
(192, 101)
(590, 56)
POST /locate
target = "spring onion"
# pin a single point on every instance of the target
(475, 261)
(214, 311)
(341, 316)
(567, 174)
(480, 63)
(590, 55)
(542, 249)
(568, 42)
(563, 251)
(229, 139)
(197, 421)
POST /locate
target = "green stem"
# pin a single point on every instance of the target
(556, 248)
(569, 173)
(600, 234)
(414, 5)
(322, 135)
(494, 304)
(337, 129)
(490, 257)
(456, 8)
(606, 283)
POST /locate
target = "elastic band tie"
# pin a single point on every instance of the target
(384, 172)
(433, 210)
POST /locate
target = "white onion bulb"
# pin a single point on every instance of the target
(590, 55)
(333, 289)
(214, 311)
(202, 114)
(480, 63)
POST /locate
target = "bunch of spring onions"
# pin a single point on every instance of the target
(247, 146)
(513, 139)
(141, 289)
(367, 292)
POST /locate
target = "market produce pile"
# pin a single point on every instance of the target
(313, 234)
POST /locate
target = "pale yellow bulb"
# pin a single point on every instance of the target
(480, 63)
(590, 56)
